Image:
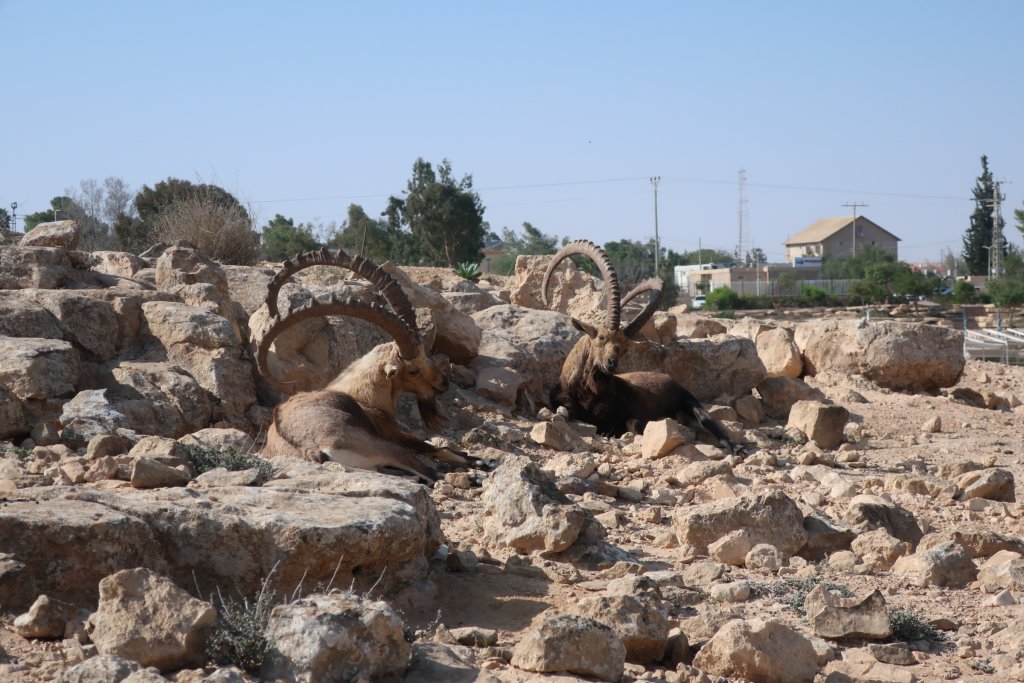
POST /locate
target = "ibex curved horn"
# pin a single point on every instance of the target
(604, 264)
(406, 338)
(655, 286)
(365, 268)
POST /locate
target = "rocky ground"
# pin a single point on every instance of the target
(874, 493)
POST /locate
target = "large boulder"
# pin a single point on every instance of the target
(896, 355)
(208, 347)
(38, 368)
(770, 517)
(39, 267)
(144, 617)
(20, 316)
(572, 291)
(715, 368)
(61, 234)
(89, 323)
(532, 343)
(12, 415)
(758, 650)
(321, 522)
(575, 644)
(336, 637)
(524, 510)
(457, 334)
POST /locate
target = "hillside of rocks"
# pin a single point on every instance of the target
(869, 530)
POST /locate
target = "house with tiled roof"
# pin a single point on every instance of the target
(838, 237)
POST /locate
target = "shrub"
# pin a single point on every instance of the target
(815, 296)
(793, 593)
(722, 299)
(221, 231)
(908, 625)
(239, 636)
(206, 459)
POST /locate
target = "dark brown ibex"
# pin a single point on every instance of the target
(353, 420)
(589, 386)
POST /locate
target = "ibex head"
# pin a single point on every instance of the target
(606, 342)
(402, 366)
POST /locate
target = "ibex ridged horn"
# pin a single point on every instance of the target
(604, 264)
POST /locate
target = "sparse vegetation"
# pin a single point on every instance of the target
(793, 592)
(17, 451)
(468, 270)
(206, 459)
(239, 636)
(908, 625)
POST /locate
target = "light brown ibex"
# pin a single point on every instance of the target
(590, 388)
(353, 420)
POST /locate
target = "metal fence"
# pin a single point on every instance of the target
(775, 288)
(1003, 346)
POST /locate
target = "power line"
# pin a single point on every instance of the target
(855, 205)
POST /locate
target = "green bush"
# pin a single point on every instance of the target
(206, 459)
(722, 299)
(908, 625)
(793, 592)
(239, 636)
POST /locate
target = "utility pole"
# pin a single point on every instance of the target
(14, 216)
(657, 242)
(995, 253)
(855, 205)
(741, 240)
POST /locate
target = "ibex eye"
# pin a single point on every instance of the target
(414, 371)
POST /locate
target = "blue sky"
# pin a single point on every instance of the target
(561, 111)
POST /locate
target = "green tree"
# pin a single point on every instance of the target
(531, 242)
(756, 257)
(1018, 216)
(5, 219)
(854, 267)
(215, 205)
(979, 235)
(445, 215)
(379, 239)
(282, 238)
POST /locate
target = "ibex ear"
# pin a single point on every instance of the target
(583, 327)
(390, 370)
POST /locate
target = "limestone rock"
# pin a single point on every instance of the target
(144, 617)
(758, 650)
(640, 622)
(778, 351)
(61, 234)
(524, 510)
(38, 368)
(778, 394)
(574, 644)
(661, 436)
(771, 517)
(878, 549)
(100, 669)
(34, 267)
(87, 322)
(822, 423)
(1004, 570)
(832, 616)
(866, 512)
(991, 484)
(45, 619)
(335, 637)
(896, 355)
(946, 564)
(13, 420)
(458, 335)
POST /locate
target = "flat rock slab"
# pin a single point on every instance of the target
(357, 527)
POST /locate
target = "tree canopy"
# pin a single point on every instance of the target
(282, 238)
(979, 235)
(444, 215)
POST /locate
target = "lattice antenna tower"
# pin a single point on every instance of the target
(743, 239)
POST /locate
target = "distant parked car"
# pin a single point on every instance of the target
(944, 291)
(698, 302)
